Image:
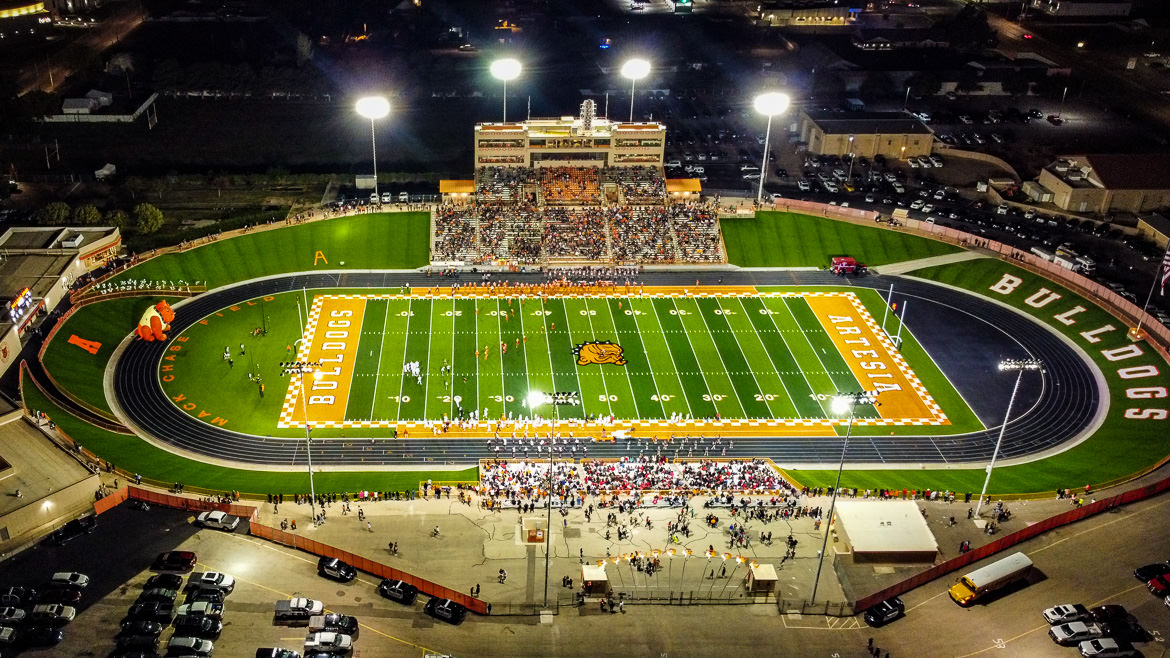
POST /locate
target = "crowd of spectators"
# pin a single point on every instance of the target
(638, 184)
(525, 233)
(525, 480)
(502, 183)
(570, 185)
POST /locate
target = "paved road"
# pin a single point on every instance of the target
(964, 334)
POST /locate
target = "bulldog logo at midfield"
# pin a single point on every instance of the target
(599, 352)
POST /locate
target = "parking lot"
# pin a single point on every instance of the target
(1090, 563)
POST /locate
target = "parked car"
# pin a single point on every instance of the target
(1075, 632)
(137, 643)
(201, 609)
(153, 610)
(18, 596)
(164, 581)
(159, 594)
(885, 612)
(10, 615)
(222, 520)
(1066, 612)
(141, 627)
(335, 569)
(445, 609)
(53, 614)
(1106, 647)
(336, 623)
(175, 561)
(204, 627)
(329, 642)
(70, 579)
(41, 636)
(74, 529)
(397, 590)
(67, 595)
(276, 652)
(183, 645)
(1150, 571)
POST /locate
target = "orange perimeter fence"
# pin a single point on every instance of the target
(290, 539)
(1008, 541)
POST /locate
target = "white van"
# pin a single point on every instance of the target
(403, 197)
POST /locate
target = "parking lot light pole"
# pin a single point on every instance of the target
(300, 369)
(505, 70)
(852, 157)
(635, 69)
(769, 104)
(374, 108)
(842, 403)
(1006, 365)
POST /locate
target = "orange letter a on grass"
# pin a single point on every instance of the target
(88, 345)
(320, 255)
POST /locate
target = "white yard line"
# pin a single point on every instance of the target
(451, 384)
(405, 344)
(710, 393)
(653, 375)
(593, 334)
(552, 375)
(378, 372)
(746, 360)
(776, 368)
(726, 371)
(780, 333)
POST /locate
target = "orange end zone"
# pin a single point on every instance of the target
(873, 360)
(327, 389)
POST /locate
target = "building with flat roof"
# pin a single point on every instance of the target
(809, 14)
(583, 141)
(1105, 183)
(891, 134)
(1083, 8)
(37, 267)
(884, 531)
(1155, 227)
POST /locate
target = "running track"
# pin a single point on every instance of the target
(965, 334)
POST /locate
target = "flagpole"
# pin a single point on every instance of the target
(1159, 275)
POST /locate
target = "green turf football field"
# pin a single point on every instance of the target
(764, 357)
(738, 357)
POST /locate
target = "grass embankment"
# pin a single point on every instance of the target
(377, 241)
(1121, 447)
(133, 455)
(784, 239)
(74, 368)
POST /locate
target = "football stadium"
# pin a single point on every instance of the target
(570, 301)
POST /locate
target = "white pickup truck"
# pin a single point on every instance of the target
(299, 609)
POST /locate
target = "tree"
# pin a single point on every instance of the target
(53, 214)
(147, 218)
(117, 218)
(877, 85)
(86, 215)
(924, 83)
(1016, 83)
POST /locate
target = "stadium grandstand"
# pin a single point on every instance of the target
(573, 189)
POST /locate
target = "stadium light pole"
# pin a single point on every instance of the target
(505, 69)
(635, 70)
(842, 403)
(769, 104)
(300, 369)
(374, 108)
(1006, 365)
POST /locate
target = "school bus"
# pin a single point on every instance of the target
(977, 584)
